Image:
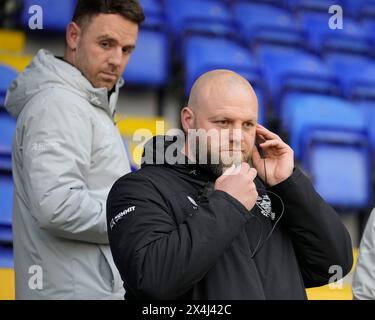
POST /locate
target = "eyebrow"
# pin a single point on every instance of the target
(107, 36)
(111, 39)
(220, 118)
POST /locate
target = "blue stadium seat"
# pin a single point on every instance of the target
(295, 100)
(152, 7)
(7, 75)
(56, 14)
(198, 16)
(368, 107)
(313, 5)
(262, 105)
(261, 22)
(355, 73)
(323, 39)
(288, 69)
(149, 63)
(368, 27)
(6, 205)
(308, 113)
(340, 172)
(8, 127)
(359, 8)
(6, 257)
(5, 161)
(154, 13)
(202, 54)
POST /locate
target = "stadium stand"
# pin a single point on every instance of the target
(51, 10)
(8, 74)
(16, 61)
(329, 136)
(356, 74)
(328, 159)
(8, 126)
(265, 23)
(6, 259)
(312, 5)
(307, 72)
(368, 108)
(200, 55)
(6, 187)
(306, 112)
(149, 64)
(12, 41)
(360, 8)
(198, 15)
(322, 39)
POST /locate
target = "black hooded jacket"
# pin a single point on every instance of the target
(173, 236)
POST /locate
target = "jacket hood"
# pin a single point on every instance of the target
(48, 72)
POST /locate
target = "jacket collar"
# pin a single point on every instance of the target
(98, 97)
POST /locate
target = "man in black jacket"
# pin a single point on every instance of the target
(246, 227)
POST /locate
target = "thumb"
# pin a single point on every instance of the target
(230, 171)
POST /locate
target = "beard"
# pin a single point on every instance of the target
(218, 167)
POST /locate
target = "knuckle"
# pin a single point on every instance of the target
(253, 172)
(252, 188)
(245, 165)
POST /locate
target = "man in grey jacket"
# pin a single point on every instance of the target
(67, 153)
(364, 275)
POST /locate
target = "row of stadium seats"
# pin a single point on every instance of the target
(261, 23)
(253, 21)
(268, 67)
(178, 14)
(330, 137)
(7, 128)
(350, 75)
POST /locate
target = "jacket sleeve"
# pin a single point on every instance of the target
(156, 257)
(319, 238)
(364, 277)
(56, 150)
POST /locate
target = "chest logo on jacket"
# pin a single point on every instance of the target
(264, 204)
(195, 205)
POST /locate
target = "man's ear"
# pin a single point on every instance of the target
(73, 34)
(187, 119)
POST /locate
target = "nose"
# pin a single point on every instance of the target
(115, 58)
(236, 137)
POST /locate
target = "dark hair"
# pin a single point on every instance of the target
(129, 9)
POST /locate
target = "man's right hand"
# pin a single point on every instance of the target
(239, 183)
